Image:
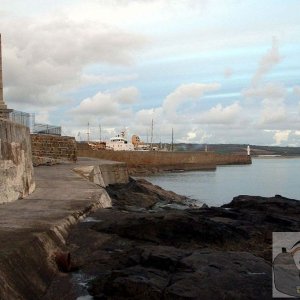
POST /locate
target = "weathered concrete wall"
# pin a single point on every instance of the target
(105, 174)
(16, 171)
(58, 147)
(168, 160)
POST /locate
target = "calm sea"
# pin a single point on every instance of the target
(265, 177)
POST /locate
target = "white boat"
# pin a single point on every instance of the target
(119, 143)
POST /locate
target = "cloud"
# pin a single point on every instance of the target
(273, 111)
(296, 90)
(228, 72)
(127, 95)
(270, 90)
(108, 104)
(192, 135)
(268, 61)
(186, 93)
(91, 79)
(42, 117)
(281, 136)
(44, 58)
(220, 115)
(272, 99)
(99, 104)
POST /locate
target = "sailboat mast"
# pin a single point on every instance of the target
(88, 132)
(172, 145)
(151, 135)
(100, 133)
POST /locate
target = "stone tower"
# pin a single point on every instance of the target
(4, 112)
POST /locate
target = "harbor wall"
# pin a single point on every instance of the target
(16, 170)
(54, 146)
(168, 160)
(105, 174)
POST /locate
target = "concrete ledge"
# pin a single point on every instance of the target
(104, 174)
(34, 228)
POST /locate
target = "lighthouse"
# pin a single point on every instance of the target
(248, 150)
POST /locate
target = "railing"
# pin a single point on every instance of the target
(28, 120)
(22, 118)
(46, 129)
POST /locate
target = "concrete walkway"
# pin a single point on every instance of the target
(61, 198)
(59, 193)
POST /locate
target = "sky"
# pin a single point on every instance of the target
(213, 71)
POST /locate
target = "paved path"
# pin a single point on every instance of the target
(31, 228)
(59, 193)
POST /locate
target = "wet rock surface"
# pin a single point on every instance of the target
(141, 249)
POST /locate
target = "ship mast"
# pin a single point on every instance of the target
(172, 145)
(88, 132)
(151, 135)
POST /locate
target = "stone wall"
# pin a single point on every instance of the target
(53, 146)
(168, 160)
(16, 171)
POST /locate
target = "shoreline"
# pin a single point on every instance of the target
(275, 156)
(144, 243)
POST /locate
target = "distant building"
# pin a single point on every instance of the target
(135, 140)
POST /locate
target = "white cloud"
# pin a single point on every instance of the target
(269, 90)
(281, 136)
(147, 115)
(44, 58)
(108, 104)
(42, 117)
(127, 95)
(273, 112)
(57, 53)
(186, 93)
(91, 79)
(191, 136)
(221, 115)
(296, 90)
(108, 108)
(99, 104)
(268, 61)
(272, 99)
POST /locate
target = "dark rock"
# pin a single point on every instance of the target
(141, 193)
(200, 253)
(221, 275)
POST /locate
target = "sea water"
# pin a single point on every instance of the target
(264, 177)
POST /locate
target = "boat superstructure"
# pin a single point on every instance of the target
(119, 143)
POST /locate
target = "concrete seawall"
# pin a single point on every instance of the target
(105, 174)
(33, 230)
(16, 171)
(168, 160)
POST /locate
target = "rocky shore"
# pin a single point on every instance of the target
(154, 244)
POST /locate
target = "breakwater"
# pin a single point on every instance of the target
(163, 161)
